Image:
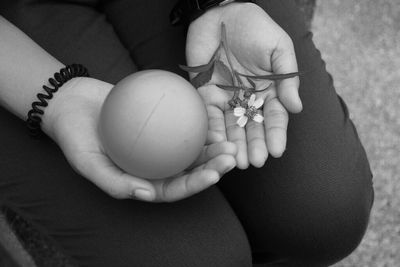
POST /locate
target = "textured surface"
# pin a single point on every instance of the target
(12, 253)
(307, 8)
(37, 249)
(360, 42)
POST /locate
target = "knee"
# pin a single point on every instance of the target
(332, 226)
(335, 206)
(323, 220)
(198, 231)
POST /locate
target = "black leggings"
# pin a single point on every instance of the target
(308, 208)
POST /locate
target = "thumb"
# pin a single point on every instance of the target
(107, 176)
(283, 60)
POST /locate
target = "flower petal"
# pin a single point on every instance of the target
(239, 111)
(242, 121)
(258, 118)
(251, 100)
(258, 103)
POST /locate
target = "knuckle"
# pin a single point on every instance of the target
(257, 142)
(275, 127)
(275, 112)
(233, 128)
(253, 126)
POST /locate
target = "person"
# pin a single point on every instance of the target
(300, 194)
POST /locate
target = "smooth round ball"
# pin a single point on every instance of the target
(153, 124)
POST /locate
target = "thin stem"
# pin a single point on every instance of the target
(226, 47)
(224, 42)
(273, 77)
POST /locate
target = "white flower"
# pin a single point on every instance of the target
(250, 112)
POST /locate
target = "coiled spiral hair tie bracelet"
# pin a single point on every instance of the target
(59, 79)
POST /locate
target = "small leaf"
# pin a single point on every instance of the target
(197, 69)
(223, 71)
(251, 82)
(203, 77)
(229, 87)
(273, 77)
(238, 78)
(205, 67)
(223, 35)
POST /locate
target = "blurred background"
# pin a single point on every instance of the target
(360, 43)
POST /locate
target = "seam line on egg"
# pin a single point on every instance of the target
(147, 121)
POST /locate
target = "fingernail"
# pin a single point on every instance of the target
(229, 168)
(299, 104)
(213, 179)
(143, 194)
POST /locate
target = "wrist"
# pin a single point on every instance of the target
(36, 113)
(56, 104)
(75, 95)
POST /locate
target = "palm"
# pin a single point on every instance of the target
(258, 46)
(76, 134)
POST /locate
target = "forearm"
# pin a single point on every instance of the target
(24, 68)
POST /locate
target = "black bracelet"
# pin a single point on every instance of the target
(60, 78)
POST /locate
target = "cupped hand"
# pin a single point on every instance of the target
(71, 120)
(257, 46)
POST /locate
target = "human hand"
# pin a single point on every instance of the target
(257, 46)
(71, 120)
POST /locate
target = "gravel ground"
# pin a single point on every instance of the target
(360, 42)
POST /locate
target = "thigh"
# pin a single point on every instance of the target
(144, 28)
(94, 229)
(313, 203)
(97, 230)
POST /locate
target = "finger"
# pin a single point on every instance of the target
(256, 143)
(275, 121)
(213, 137)
(215, 100)
(176, 188)
(283, 60)
(107, 176)
(214, 150)
(216, 125)
(214, 96)
(237, 135)
(222, 164)
(201, 47)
